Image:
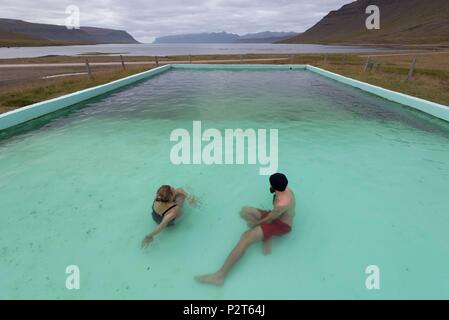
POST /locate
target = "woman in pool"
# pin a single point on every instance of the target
(167, 207)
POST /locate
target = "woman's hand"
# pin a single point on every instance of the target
(146, 241)
(193, 201)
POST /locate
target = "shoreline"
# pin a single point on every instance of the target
(184, 49)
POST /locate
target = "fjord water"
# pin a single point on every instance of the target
(370, 177)
(181, 49)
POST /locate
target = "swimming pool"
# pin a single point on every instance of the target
(370, 177)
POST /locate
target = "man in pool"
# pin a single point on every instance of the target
(263, 225)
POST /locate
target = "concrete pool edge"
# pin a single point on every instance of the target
(434, 109)
(36, 110)
(30, 112)
(437, 110)
(240, 66)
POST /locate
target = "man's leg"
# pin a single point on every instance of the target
(247, 238)
(250, 215)
(266, 247)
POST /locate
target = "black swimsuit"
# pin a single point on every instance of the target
(159, 217)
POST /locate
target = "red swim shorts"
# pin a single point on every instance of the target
(274, 228)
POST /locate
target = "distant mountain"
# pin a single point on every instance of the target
(47, 34)
(224, 37)
(401, 22)
(266, 37)
(215, 37)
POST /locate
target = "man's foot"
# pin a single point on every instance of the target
(216, 279)
(266, 247)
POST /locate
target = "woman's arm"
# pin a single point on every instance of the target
(180, 193)
(165, 221)
(180, 196)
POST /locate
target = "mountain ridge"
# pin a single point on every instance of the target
(224, 37)
(48, 34)
(401, 22)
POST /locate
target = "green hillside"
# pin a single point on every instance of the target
(14, 39)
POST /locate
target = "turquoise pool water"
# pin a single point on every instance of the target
(370, 176)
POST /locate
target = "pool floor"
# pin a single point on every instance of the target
(370, 176)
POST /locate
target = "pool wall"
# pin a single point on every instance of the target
(240, 66)
(432, 108)
(21, 115)
(18, 116)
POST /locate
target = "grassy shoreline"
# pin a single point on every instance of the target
(21, 86)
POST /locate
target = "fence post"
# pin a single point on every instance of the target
(89, 71)
(123, 62)
(368, 61)
(291, 59)
(411, 71)
(325, 58)
(157, 61)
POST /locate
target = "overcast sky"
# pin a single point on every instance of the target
(147, 19)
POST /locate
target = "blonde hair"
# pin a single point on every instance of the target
(164, 194)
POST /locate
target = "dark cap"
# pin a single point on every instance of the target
(278, 181)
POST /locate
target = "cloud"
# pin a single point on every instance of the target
(147, 19)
